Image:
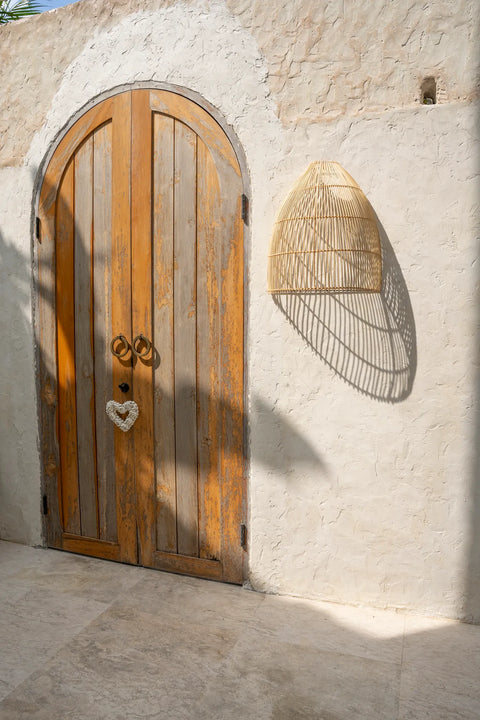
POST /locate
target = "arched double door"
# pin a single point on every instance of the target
(140, 300)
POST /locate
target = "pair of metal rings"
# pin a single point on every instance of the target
(125, 346)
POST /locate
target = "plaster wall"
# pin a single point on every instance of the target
(362, 411)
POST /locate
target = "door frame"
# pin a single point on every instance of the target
(49, 462)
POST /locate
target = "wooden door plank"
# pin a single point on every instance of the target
(198, 120)
(142, 320)
(164, 408)
(232, 464)
(185, 339)
(46, 338)
(61, 502)
(60, 173)
(84, 339)
(92, 119)
(102, 226)
(199, 567)
(121, 304)
(91, 546)
(67, 414)
(208, 339)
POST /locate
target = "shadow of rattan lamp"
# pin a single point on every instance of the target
(325, 237)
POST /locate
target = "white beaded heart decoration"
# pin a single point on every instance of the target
(115, 409)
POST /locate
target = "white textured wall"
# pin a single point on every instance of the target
(19, 461)
(362, 412)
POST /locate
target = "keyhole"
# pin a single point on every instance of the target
(124, 387)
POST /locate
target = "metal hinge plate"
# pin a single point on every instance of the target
(45, 505)
(243, 536)
(245, 209)
(37, 228)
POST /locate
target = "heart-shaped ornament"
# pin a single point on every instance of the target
(129, 408)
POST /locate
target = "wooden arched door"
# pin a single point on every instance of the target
(141, 236)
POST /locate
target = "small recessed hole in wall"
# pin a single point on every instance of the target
(429, 91)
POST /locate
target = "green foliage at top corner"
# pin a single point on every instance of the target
(18, 9)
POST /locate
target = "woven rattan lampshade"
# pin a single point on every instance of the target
(325, 237)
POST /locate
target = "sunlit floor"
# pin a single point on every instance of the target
(83, 638)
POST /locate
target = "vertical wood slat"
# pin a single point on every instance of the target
(121, 320)
(141, 199)
(185, 339)
(84, 365)
(46, 337)
(208, 339)
(164, 406)
(232, 470)
(102, 225)
(65, 284)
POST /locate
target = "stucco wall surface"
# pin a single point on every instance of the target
(362, 409)
(324, 59)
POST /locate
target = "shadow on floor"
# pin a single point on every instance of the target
(86, 639)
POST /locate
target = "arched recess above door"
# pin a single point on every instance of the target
(141, 235)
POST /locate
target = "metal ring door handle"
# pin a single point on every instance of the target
(126, 346)
(146, 341)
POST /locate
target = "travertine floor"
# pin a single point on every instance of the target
(83, 638)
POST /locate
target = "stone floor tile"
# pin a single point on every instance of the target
(67, 689)
(14, 558)
(441, 706)
(368, 633)
(272, 680)
(81, 576)
(201, 601)
(34, 627)
(5, 688)
(441, 669)
(11, 590)
(154, 638)
(126, 664)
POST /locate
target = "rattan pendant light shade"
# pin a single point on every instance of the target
(325, 237)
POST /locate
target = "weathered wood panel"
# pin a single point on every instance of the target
(198, 120)
(185, 339)
(208, 345)
(112, 217)
(62, 502)
(84, 364)
(46, 337)
(232, 465)
(121, 321)
(89, 122)
(164, 407)
(102, 320)
(91, 546)
(198, 567)
(141, 194)
(65, 297)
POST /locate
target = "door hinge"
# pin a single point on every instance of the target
(45, 505)
(243, 536)
(245, 209)
(37, 228)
